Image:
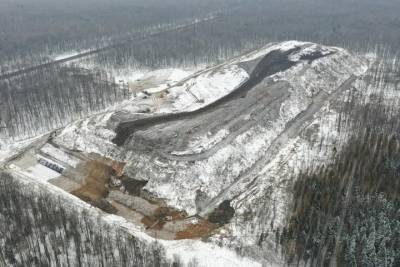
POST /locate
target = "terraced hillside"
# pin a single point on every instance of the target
(215, 156)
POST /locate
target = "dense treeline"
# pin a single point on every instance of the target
(200, 45)
(346, 213)
(32, 30)
(344, 23)
(252, 25)
(50, 98)
(38, 229)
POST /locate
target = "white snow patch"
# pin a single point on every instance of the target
(161, 77)
(203, 143)
(205, 254)
(309, 50)
(288, 45)
(89, 135)
(283, 46)
(59, 155)
(205, 89)
(8, 148)
(40, 172)
(69, 54)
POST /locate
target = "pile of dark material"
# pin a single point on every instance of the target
(223, 214)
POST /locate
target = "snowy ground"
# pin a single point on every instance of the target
(248, 158)
(226, 163)
(9, 149)
(68, 54)
(59, 155)
(204, 89)
(41, 172)
(152, 80)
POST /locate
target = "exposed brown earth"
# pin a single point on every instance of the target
(94, 188)
(202, 229)
(96, 191)
(161, 216)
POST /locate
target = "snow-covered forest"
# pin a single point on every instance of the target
(33, 32)
(48, 99)
(334, 192)
(37, 229)
(346, 211)
(238, 27)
